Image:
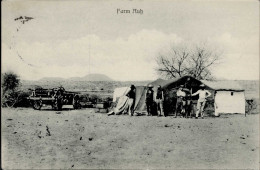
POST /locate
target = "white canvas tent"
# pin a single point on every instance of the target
(121, 91)
(229, 97)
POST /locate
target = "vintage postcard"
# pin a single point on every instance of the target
(130, 84)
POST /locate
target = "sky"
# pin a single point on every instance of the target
(75, 38)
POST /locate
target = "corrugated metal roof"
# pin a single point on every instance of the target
(162, 82)
(223, 85)
(175, 81)
(215, 85)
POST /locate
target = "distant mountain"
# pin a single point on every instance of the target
(74, 79)
(96, 77)
(89, 77)
(51, 79)
(251, 88)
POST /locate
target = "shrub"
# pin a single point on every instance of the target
(94, 98)
(252, 106)
(10, 81)
(11, 95)
(22, 100)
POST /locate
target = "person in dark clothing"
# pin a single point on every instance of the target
(180, 103)
(131, 101)
(188, 88)
(131, 93)
(159, 101)
(58, 100)
(149, 100)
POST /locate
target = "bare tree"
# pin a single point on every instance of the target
(196, 62)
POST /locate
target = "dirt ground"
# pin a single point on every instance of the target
(80, 139)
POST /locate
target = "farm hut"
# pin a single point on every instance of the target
(225, 97)
(229, 96)
(170, 88)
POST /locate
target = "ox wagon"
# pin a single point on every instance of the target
(56, 97)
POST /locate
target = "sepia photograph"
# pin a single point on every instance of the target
(130, 84)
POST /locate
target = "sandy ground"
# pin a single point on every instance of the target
(80, 139)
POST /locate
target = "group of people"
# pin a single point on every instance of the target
(183, 104)
(184, 101)
(149, 100)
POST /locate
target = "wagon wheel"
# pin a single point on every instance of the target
(37, 105)
(59, 104)
(77, 105)
(54, 106)
(59, 107)
(9, 104)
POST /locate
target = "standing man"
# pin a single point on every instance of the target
(58, 100)
(131, 101)
(203, 94)
(188, 107)
(159, 101)
(149, 100)
(180, 100)
(216, 99)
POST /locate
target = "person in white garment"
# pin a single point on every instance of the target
(203, 94)
(216, 104)
(159, 101)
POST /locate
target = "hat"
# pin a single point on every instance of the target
(132, 86)
(150, 86)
